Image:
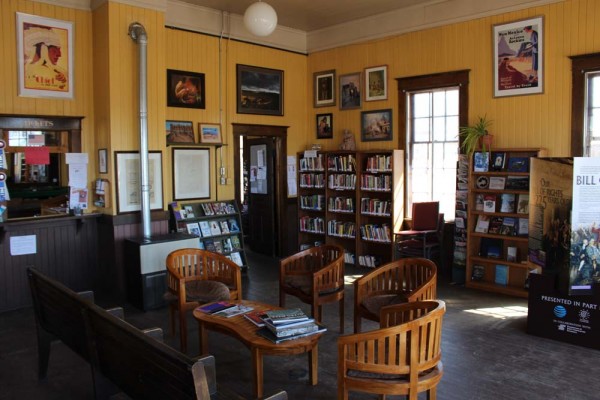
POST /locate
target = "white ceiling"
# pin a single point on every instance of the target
(310, 15)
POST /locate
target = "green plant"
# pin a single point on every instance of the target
(470, 136)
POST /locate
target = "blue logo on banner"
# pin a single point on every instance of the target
(560, 311)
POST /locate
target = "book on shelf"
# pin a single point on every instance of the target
(210, 245)
(230, 208)
(478, 273)
(257, 317)
(483, 224)
(498, 161)
(511, 254)
(523, 204)
(214, 228)
(286, 316)
(237, 258)
(193, 228)
(176, 208)
(481, 161)
(212, 308)
(201, 245)
(507, 203)
(489, 203)
(189, 211)
(224, 227)
(479, 202)
(233, 226)
(517, 182)
(233, 311)
(207, 209)
(495, 225)
(218, 246)
(509, 226)
(227, 245)
(482, 182)
(205, 228)
(235, 243)
(267, 334)
(501, 277)
(497, 182)
(523, 227)
(518, 164)
(490, 247)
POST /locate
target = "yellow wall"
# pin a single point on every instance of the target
(521, 121)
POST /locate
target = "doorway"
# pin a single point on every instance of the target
(260, 179)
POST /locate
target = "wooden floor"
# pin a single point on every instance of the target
(486, 352)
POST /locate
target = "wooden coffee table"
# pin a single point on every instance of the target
(245, 331)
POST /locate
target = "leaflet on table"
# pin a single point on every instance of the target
(215, 307)
(233, 311)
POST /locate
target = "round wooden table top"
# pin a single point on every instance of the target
(245, 331)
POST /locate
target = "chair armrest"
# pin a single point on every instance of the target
(87, 295)
(116, 312)
(277, 396)
(426, 291)
(154, 333)
(210, 372)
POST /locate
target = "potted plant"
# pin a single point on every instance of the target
(472, 137)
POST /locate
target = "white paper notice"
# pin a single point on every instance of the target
(76, 158)
(260, 158)
(261, 173)
(78, 175)
(21, 245)
(78, 198)
(291, 176)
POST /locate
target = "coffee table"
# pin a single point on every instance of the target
(245, 331)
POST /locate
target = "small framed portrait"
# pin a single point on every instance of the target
(185, 89)
(324, 126)
(210, 133)
(376, 83)
(259, 90)
(350, 91)
(324, 86)
(180, 132)
(376, 125)
(519, 57)
(102, 161)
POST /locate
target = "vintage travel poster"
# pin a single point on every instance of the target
(45, 57)
(518, 58)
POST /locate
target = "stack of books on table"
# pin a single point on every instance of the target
(288, 324)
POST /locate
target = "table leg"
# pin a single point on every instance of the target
(257, 365)
(313, 365)
(203, 338)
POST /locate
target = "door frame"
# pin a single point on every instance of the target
(279, 133)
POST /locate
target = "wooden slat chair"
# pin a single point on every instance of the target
(316, 277)
(400, 281)
(196, 276)
(403, 357)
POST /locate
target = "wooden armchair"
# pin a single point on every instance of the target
(403, 357)
(316, 277)
(196, 276)
(400, 281)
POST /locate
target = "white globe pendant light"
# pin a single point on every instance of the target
(260, 19)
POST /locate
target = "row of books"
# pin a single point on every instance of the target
(376, 233)
(312, 163)
(312, 202)
(203, 209)
(375, 206)
(493, 248)
(500, 275)
(305, 246)
(282, 325)
(226, 245)
(310, 224)
(213, 227)
(507, 226)
(342, 181)
(508, 203)
(379, 163)
(341, 163)
(500, 161)
(341, 204)
(312, 181)
(376, 182)
(341, 228)
(369, 261)
(502, 182)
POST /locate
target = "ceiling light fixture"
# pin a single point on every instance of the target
(260, 19)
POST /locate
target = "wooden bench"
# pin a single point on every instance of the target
(119, 354)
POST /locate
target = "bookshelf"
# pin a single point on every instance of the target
(363, 202)
(217, 224)
(498, 220)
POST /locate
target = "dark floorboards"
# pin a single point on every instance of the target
(486, 355)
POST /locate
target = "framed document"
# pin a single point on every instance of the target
(129, 190)
(191, 174)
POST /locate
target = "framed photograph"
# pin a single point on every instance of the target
(350, 91)
(376, 83)
(519, 57)
(191, 174)
(128, 178)
(210, 133)
(185, 89)
(259, 90)
(102, 161)
(324, 126)
(45, 57)
(180, 132)
(376, 125)
(324, 85)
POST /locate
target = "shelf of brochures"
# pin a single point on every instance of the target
(359, 211)
(498, 220)
(217, 225)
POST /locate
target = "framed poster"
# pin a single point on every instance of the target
(185, 89)
(376, 125)
(376, 83)
(350, 91)
(180, 132)
(44, 57)
(128, 177)
(324, 126)
(102, 161)
(519, 57)
(259, 90)
(324, 85)
(191, 174)
(210, 133)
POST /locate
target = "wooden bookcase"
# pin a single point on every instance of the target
(359, 207)
(217, 224)
(499, 194)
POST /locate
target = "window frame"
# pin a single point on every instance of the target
(581, 65)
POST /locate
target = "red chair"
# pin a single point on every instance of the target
(424, 237)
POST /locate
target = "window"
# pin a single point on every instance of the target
(432, 108)
(585, 123)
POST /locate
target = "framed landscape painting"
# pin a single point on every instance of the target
(180, 132)
(259, 90)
